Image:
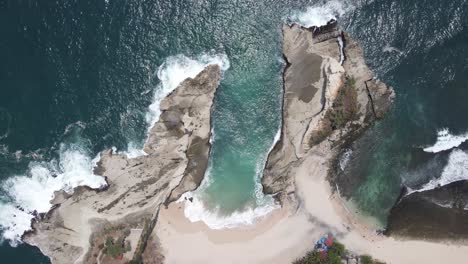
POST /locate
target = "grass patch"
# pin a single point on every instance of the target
(116, 248)
(337, 254)
(334, 256)
(366, 259)
(343, 110)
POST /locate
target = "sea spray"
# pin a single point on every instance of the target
(29, 195)
(171, 73)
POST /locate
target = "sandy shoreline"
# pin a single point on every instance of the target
(283, 235)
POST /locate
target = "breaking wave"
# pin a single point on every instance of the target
(196, 211)
(455, 170)
(446, 141)
(171, 73)
(320, 14)
(26, 196)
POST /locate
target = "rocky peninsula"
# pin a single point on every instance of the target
(330, 97)
(177, 156)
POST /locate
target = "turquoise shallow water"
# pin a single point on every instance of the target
(83, 72)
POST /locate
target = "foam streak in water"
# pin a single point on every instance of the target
(446, 141)
(31, 194)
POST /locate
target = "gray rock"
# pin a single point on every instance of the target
(319, 110)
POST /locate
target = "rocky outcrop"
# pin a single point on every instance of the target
(438, 214)
(329, 95)
(178, 148)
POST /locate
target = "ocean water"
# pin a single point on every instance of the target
(77, 77)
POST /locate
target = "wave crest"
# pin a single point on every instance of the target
(455, 170)
(446, 141)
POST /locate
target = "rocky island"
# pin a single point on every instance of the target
(330, 97)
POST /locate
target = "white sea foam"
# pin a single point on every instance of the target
(392, 49)
(320, 14)
(264, 204)
(3, 149)
(446, 141)
(344, 159)
(5, 135)
(78, 124)
(195, 211)
(30, 194)
(171, 73)
(132, 151)
(455, 170)
(212, 137)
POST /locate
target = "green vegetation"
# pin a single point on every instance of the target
(343, 110)
(321, 134)
(115, 248)
(335, 255)
(366, 259)
(344, 107)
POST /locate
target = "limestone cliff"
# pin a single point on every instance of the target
(329, 94)
(178, 149)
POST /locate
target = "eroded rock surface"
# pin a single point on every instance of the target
(178, 149)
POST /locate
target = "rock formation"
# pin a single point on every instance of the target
(330, 96)
(438, 214)
(178, 149)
